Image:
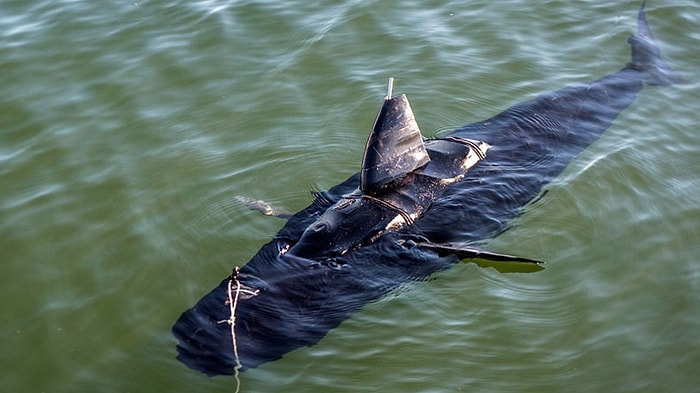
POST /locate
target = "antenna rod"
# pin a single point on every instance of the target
(390, 88)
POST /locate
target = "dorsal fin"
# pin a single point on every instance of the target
(394, 147)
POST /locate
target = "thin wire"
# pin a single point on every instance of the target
(233, 303)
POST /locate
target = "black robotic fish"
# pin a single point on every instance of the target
(417, 207)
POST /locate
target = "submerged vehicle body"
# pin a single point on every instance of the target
(416, 207)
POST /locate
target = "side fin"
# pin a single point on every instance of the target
(395, 145)
(263, 207)
(504, 263)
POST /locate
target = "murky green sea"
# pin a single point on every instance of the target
(127, 127)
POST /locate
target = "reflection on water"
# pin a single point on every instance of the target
(128, 127)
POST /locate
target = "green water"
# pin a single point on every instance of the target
(126, 128)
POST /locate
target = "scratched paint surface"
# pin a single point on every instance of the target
(128, 128)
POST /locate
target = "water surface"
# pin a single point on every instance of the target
(128, 127)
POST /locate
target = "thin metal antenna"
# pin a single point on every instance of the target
(390, 88)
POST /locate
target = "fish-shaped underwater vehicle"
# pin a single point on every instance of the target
(416, 207)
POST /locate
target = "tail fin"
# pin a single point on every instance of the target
(646, 55)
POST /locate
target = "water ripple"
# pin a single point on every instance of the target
(128, 127)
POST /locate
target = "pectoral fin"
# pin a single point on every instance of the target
(504, 263)
(263, 207)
